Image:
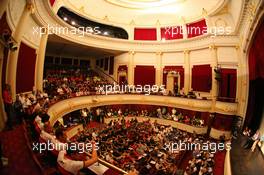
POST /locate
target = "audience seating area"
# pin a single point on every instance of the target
(127, 144)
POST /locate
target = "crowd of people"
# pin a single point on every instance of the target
(72, 82)
(140, 146)
(155, 112)
(130, 145)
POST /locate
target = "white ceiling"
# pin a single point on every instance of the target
(144, 12)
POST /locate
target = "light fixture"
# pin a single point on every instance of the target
(65, 18)
(73, 22)
(105, 33)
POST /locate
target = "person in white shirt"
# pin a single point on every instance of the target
(256, 139)
(68, 160)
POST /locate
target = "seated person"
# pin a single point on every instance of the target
(247, 132)
(71, 162)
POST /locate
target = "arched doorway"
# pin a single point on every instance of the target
(255, 108)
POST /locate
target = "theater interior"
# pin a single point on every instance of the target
(137, 87)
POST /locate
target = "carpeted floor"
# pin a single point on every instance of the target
(245, 162)
(219, 162)
(16, 150)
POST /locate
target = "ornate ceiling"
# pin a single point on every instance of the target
(144, 12)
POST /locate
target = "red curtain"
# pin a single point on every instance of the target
(145, 34)
(25, 68)
(228, 83)
(223, 122)
(144, 75)
(170, 33)
(256, 55)
(52, 2)
(202, 78)
(196, 28)
(179, 69)
(256, 76)
(111, 65)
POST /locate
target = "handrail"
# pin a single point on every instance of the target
(105, 75)
(109, 165)
(227, 166)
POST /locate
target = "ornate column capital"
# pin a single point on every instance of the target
(186, 51)
(30, 7)
(159, 53)
(213, 47)
(131, 52)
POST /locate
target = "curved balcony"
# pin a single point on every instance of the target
(64, 107)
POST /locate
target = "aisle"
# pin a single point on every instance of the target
(243, 161)
(16, 150)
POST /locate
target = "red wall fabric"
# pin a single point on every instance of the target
(171, 33)
(173, 68)
(256, 77)
(52, 2)
(202, 78)
(223, 122)
(196, 28)
(25, 68)
(256, 55)
(228, 83)
(145, 34)
(144, 75)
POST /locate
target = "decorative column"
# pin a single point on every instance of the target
(131, 32)
(3, 7)
(13, 55)
(184, 28)
(210, 122)
(187, 71)
(214, 91)
(39, 68)
(242, 83)
(158, 31)
(2, 113)
(159, 68)
(131, 68)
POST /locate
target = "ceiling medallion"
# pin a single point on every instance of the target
(142, 4)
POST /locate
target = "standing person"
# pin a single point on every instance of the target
(18, 107)
(8, 102)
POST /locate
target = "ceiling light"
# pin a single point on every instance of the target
(65, 18)
(105, 33)
(73, 22)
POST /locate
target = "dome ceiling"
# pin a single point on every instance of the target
(144, 12)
